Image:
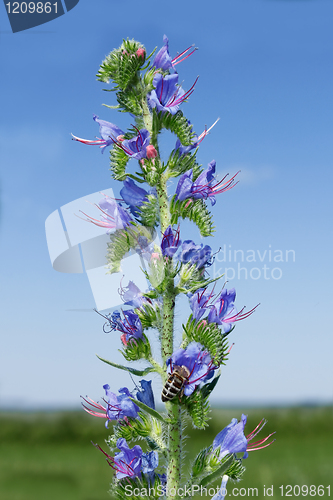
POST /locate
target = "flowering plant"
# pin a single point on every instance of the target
(148, 89)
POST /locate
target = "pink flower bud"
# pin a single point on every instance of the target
(151, 152)
(141, 52)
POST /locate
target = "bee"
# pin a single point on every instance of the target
(175, 383)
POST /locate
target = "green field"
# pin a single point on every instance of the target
(49, 456)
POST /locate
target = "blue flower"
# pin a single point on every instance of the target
(113, 215)
(232, 439)
(204, 186)
(149, 462)
(163, 61)
(120, 406)
(146, 395)
(220, 495)
(137, 146)
(133, 195)
(109, 133)
(199, 303)
(170, 242)
(195, 254)
(199, 363)
(131, 295)
(223, 311)
(168, 95)
(130, 326)
(128, 462)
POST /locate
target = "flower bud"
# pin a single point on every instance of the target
(141, 53)
(151, 152)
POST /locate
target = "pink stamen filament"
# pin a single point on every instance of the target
(175, 59)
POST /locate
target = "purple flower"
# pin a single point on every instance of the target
(199, 363)
(195, 254)
(118, 407)
(167, 95)
(199, 303)
(223, 311)
(149, 462)
(133, 195)
(232, 439)
(144, 248)
(113, 215)
(131, 295)
(163, 61)
(128, 462)
(109, 133)
(204, 186)
(137, 146)
(146, 394)
(170, 242)
(130, 326)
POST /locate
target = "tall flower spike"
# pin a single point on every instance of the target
(109, 133)
(167, 95)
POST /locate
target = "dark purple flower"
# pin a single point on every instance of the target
(133, 195)
(170, 242)
(195, 254)
(199, 303)
(199, 363)
(109, 133)
(168, 95)
(113, 215)
(232, 439)
(137, 146)
(204, 186)
(163, 61)
(146, 394)
(118, 407)
(128, 462)
(131, 295)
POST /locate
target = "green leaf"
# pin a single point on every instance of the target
(178, 165)
(122, 241)
(149, 211)
(134, 371)
(207, 334)
(194, 210)
(118, 162)
(149, 410)
(176, 123)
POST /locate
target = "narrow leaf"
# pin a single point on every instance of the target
(149, 410)
(134, 371)
(218, 473)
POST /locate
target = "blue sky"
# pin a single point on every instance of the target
(265, 69)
